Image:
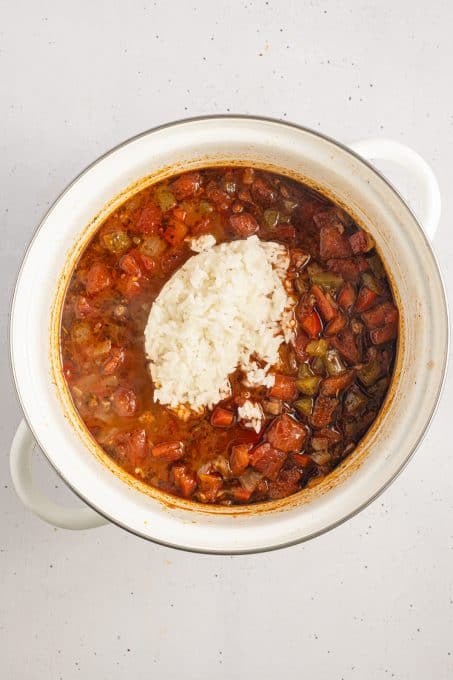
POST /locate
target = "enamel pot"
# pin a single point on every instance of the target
(343, 175)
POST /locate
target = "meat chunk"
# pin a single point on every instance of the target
(286, 434)
(381, 315)
(149, 220)
(323, 411)
(345, 343)
(98, 278)
(263, 192)
(330, 387)
(267, 460)
(361, 242)
(346, 296)
(349, 269)
(244, 225)
(286, 484)
(124, 401)
(365, 299)
(333, 243)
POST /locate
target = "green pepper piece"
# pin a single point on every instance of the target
(308, 385)
(304, 406)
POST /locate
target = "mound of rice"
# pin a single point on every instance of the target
(222, 307)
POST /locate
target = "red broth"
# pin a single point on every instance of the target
(329, 385)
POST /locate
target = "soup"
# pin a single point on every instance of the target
(228, 335)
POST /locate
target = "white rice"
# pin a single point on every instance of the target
(202, 243)
(225, 308)
(251, 415)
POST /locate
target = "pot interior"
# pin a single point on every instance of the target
(285, 149)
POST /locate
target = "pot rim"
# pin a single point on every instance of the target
(377, 173)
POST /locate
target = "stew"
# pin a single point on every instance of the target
(332, 376)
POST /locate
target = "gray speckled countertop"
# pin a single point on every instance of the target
(374, 598)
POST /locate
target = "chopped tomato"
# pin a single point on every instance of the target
(336, 325)
(129, 265)
(222, 417)
(130, 286)
(98, 278)
(300, 343)
(284, 387)
(244, 225)
(263, 192)
(175, 233)
(330, 387)
(365, 299)
(312, 324)
(267, 460)
(209, 486)
(286, 434)
(168, 451)
(346, 296)
(115, 360)
(185, 480)
(239, 459)
(186, 186)
(124, 401)
(325, 304)
(149, 220)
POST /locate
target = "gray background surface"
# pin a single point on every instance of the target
(374, 598)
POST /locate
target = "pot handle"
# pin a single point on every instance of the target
(21, 473)
(416, 167)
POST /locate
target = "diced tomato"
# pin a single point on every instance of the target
(148, 263)
(336, 325)
(286, 232)
(361, 242)
(244, 225)
(185, 480)
(130, 286)
(239, 459)
(284, 387)
(300, 343)
(263, 192)
(365, 299)
(186, 186)
(222, 417)
(175, 233)
(286, 484)
(83, 308)
(325, 304)
(333, 243)
(132, 445)
(168, 451)
(124, 401)
(219, 198)
(346, 296)
(330, 387)
(149, 220)
(239, 494)
(349, 269)
(286, 434)
(180, 213)
(381, 315)
(312, 324)
(114, 361)
(209, 486)
(385, 333)
(98, 278)
(267, 460)
(129, 265)
(323, 411)
(345, 343)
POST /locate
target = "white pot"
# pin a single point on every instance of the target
(420, 365)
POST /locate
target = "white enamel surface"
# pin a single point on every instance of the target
(404, 248)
